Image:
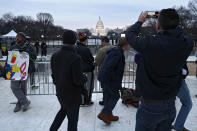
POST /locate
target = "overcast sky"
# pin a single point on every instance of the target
(75, 14)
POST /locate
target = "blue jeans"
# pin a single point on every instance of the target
(111, 97)
(185, 98)
(155, 116)
(103, 93)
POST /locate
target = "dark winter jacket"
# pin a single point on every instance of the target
(67, 75)
(30, 49)
(159, 73)
(37, 45)
(44, 46)
(112, 70)
(87, 58)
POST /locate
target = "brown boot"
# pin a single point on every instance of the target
(113, 118)
(104, 118)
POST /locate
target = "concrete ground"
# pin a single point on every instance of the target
(44, 108)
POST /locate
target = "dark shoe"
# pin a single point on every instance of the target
(26, 106)
(89, 103)
(17, 107)
(184, 129)
(34, 87)
(105, 118)
(101, 103)
(113, 118)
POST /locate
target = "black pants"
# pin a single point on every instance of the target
(32, 79)
(72, 114)
(88, 87)
(44, 53)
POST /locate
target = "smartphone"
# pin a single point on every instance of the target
(153, 14)
(122, 35)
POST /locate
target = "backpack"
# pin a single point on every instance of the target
(128, 97)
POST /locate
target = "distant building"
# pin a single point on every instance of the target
(86, 31)
(118, 31)
(100, 30)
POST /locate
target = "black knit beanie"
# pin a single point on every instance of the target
(69, 37)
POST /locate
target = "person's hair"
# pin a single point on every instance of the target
(169, 19)
(106, 39)
(22, 35)
(69, 37)
(122, 41)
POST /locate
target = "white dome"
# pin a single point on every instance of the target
(99, 24)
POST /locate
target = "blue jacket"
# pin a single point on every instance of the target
(159, 74)
(112, 70)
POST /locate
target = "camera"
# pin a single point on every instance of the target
(153, 14)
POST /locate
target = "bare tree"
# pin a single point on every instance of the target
(8, 17)
(45, 20)
(193, 6)
(185, 17)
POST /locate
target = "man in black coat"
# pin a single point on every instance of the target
(85, 53)
(44, 49)
(159, 77)
(68, 78)
(37, 46)
(87, 67)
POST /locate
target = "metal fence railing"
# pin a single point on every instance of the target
(43, 83)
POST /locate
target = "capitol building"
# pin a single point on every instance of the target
(100, 30)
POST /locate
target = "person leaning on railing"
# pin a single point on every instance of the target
(158, 76)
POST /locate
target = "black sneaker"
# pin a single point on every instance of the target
(101, 103)
(26, 106)
(17, 107)
(89, 103)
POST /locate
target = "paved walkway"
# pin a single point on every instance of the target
(44, 108)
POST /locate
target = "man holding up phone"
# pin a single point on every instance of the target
(158, 77)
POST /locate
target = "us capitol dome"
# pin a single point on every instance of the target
(100, 30)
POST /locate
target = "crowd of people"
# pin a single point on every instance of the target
(160, 77)
(158, 81)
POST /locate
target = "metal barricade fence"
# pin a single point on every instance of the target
(43, 83)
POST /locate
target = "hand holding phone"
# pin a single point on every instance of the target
(153, 14)
(143, 16)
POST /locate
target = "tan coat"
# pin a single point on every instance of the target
(100, 56)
